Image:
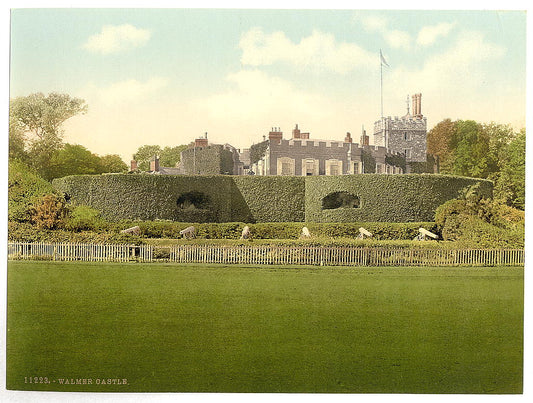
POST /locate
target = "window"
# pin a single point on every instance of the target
(355, 167)
(406, 136)
(333, 167)
(285, 166)
(309, 168)
(407, 153)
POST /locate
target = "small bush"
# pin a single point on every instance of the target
(481, 222)
(48, 212)
(25, 187)
(83, 218)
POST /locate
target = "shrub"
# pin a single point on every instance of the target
(25, 187)
(48, 212)
(475, 220)
(83, 218)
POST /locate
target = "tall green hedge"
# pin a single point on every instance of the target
(390, 198)
(268, 198)
(149, 197)
(393, 198)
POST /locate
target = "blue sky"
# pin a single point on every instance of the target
(166, 76)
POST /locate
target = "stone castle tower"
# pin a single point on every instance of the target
(406, 135)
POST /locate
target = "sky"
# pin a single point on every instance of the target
(167, 76)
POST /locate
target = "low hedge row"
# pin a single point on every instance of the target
(291, 230)
(25, 232)
(110, 232)
(313, 242)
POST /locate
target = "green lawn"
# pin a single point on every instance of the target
(192, 328)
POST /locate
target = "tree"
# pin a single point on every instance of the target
(168, 156)
(73, 159)
(17, 142)
(511, 186)
(41, 117)
(112, 163)
(470, 144)
(439, 141)
(500, 137)
(144, 155)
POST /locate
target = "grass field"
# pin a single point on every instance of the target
(192, 328)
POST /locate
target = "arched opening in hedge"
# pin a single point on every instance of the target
(340, 200)
(193, 200)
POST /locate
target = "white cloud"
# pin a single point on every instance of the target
(429, 34)
(375, 23)
(317, 51)
(455, 83)
(116, 38)
(395, 38)
(256, 94)
(258, 101)
(125, 92)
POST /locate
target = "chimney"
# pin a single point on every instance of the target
(201, 142)
(275, 135)
(365, 140)
(417, 105)
(348, 138)
(296, 133)
(154, 164)
(133, 164)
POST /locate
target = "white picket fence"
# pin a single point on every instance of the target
(267, 255)
(79, 251)
(344, 256)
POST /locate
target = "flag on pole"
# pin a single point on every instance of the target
(383, 61)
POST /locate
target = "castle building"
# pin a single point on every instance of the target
(406, 135)
(205, 158)
(303, 156)
(399, 144)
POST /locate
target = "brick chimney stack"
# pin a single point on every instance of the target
(297, 134)
(133, 164)
(275, 135)
(365, 140)
(417, 105)
(348, 138)
(154, 164)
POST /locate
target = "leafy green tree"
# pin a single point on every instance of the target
(17, 142)
(500, 137)
(112, 163)
(439, 144)
(511, 186)
(144, 155)
(470, 144)
(41, 118)
(168, 156)
(73, 159)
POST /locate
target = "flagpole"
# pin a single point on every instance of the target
(381, 79)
